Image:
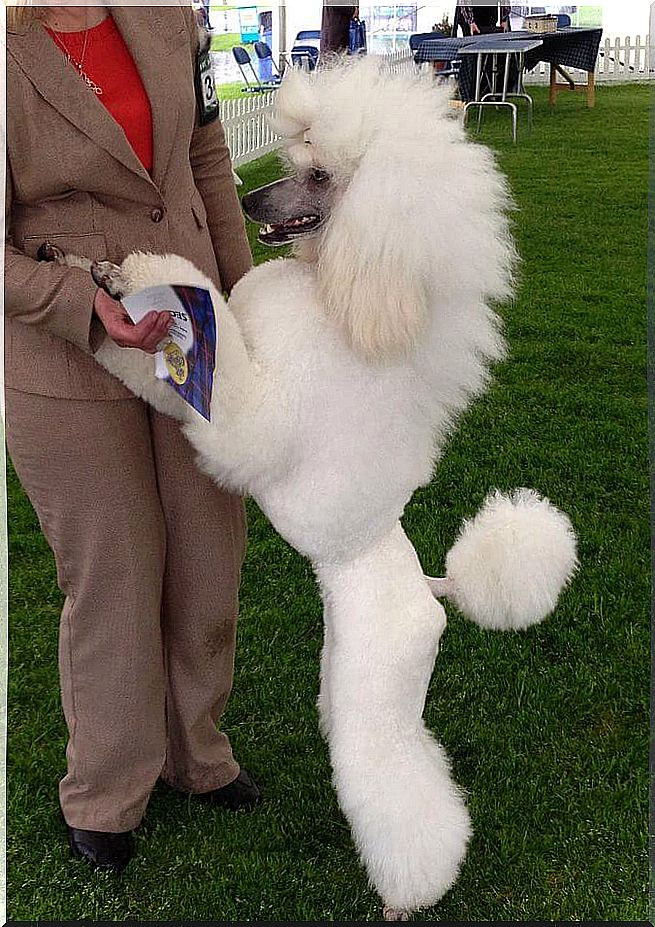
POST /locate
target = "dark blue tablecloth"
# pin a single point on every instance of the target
(572, 47)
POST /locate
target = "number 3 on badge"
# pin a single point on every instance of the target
(206, 89)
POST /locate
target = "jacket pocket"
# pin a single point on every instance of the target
(92, 245)
(198, 209)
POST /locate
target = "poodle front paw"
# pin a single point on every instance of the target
(109, 278)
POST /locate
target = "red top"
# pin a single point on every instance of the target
(107, 62)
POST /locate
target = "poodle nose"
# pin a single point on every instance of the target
(250, 204)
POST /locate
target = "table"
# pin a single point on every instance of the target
(570, 46)
(500, 47)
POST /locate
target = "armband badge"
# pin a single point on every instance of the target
(206, 89)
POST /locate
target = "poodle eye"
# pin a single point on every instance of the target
(319, 176)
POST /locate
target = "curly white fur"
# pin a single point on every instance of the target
(338, 379)
(511, 561)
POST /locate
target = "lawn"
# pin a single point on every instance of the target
(547, 730)
(225, 41)
(232, 91)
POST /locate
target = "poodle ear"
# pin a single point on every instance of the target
(371, 263)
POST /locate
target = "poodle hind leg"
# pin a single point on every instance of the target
(408, 817)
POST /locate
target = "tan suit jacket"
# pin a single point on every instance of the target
(73, 178)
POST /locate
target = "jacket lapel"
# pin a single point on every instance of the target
(144, 32)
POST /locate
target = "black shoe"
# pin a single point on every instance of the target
(241, 793)
(101, 850)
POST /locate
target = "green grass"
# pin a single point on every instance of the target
(225, 41)
(232, 91)
(547, 729)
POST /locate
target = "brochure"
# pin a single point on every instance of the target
(187, 362)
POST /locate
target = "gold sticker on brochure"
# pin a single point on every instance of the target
(176, 363)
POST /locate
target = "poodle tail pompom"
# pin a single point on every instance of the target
(510, 563)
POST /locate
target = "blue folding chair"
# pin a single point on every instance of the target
(308, 37)
(242, 58)
(265, 55)
(563, 20)
(304, 56)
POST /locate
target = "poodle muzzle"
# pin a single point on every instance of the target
(289, 209)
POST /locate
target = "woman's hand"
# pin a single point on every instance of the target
(474, 29)
(146, 334)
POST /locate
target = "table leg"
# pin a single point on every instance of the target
(591, 88)
(521, 89)
(552, 95)
(476, 98)
(556, 87)
(506, 77)
(496, 98)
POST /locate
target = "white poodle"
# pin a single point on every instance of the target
(340, 373)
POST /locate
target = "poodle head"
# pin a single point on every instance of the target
(402, 210)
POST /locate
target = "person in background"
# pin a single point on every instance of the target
(266, 35)
(483, 19)
(335, 26)
(109, 152)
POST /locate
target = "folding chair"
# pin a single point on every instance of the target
(304, 56)
(308, 37)
(242, 58)
(265, 55)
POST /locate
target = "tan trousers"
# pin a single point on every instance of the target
(148, 554)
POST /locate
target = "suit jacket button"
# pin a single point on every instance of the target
(157, 214)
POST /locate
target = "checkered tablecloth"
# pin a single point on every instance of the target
(572, 47)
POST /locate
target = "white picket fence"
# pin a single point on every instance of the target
(247, 131)
(618, 61)
(249, 135)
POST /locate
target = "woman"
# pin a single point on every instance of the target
(335, 25)
(106, 155)
(482, 19)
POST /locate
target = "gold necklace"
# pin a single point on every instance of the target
(78, 64)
